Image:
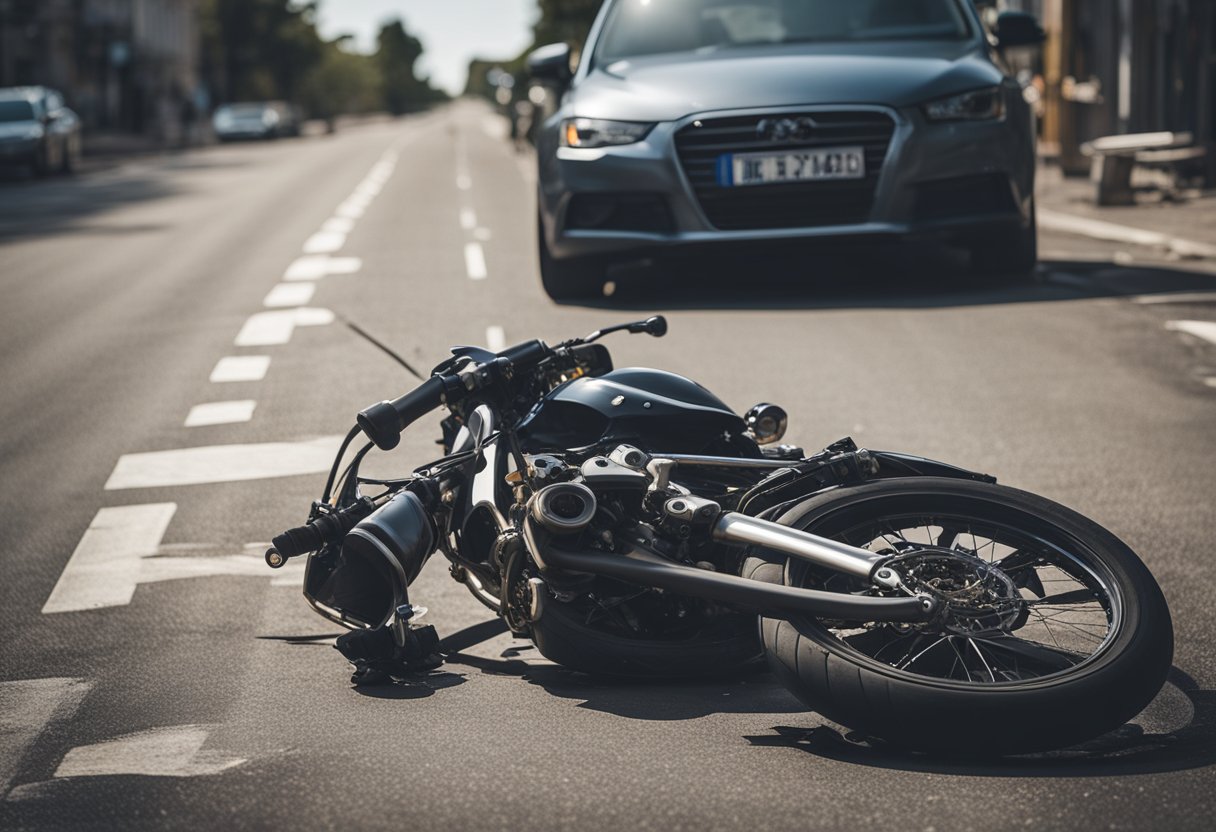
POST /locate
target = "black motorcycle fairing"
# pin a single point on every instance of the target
(658, 408)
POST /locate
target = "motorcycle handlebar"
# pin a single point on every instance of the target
(384, 422)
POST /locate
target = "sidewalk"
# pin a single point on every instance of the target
(1186, 229)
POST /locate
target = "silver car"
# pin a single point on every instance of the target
(703, 123)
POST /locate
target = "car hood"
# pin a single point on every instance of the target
(669, 87)
(15, 129)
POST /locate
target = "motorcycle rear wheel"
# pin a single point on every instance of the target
(1084, 642)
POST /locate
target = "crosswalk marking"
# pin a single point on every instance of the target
(220, 413)
(26, 708)
(175, 751)
(496, 339)
(317, 266)
(223, 463)
(264, 329)
(290, 294)
(1200, 329)
(104, 569)
(240, 368)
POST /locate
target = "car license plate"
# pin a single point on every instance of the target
(768, 168)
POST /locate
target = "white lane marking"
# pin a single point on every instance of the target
(1100, 230)
(1176, 297)
(482, 234)
(324, 242)
(368, 189)
(352, 209)
(475, 261)
(1200, 329)
(223, 463)
(468, 219)
(241, 368)
(27, 707)
(121, 550)
(463, 182)
(297, 293)
(496, 339)
(315, 267)
(220, 413)
(104, 569)
(265, 329)
(175, 751)
(339, 225)
(1210, 382)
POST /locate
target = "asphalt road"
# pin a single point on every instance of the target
(165, 679)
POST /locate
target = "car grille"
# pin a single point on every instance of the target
(788, 205)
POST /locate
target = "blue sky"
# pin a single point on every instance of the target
(453, 31)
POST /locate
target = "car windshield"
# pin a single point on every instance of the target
(651, 27)
(16, 111)
(244, 110)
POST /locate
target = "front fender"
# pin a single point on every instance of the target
(892, 464)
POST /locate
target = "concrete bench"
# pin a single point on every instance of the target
(1115, 157)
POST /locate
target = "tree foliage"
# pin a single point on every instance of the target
(566, 21)
(260, 50)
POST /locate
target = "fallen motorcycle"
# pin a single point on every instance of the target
(630, 523)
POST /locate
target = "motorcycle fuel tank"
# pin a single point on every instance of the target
(654, 409)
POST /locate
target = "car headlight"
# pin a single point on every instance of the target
(976, 105)
(596, 132)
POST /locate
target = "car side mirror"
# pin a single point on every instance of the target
(1017, 29)
(551, 63)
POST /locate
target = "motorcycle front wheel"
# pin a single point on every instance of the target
(1052, 631)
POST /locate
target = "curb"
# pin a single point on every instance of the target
(1102, 230)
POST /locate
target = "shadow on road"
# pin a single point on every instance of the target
(898, 278)
(1132, 749)
(1160, 740)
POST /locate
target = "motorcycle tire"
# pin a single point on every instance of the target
(850, 683)
(732, 647)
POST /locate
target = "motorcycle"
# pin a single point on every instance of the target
(629, 523)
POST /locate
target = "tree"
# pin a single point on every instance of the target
(566, 21)
(398, 52)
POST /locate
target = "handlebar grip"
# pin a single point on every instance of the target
(298, 541)
(527, 354)
(384, 422)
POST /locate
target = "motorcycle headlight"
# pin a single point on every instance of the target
(976, 105)
(596, 132)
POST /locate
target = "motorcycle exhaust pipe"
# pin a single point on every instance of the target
(772, 600)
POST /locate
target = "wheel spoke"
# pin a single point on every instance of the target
(1077, 596)
(1052, 658)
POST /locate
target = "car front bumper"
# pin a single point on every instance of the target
(920, 156)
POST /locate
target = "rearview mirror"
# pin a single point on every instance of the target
(551, 63)
(1017, 29)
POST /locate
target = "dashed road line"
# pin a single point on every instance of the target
(496, 339)
(463, 182)
(223, 463)
(339, 225)
(324, 242)
(175, 751)
(315, 267)
(220, 413)
(468, 219)
(265, 329)
(1102, 230)
(1205, 330)
(1176, 297)
(298, 293)
(104, 568)
(27, 707)
(240, 368)
(475, 261)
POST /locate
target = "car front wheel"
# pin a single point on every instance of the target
(1012, 255)
(572, 279)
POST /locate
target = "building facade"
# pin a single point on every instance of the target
(124, 65)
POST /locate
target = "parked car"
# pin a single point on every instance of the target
(37, 130)
(718, 122)
(256, 120)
